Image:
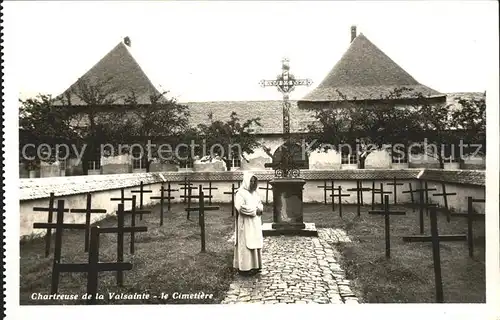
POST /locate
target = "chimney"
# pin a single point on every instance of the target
(127, 41)
(353, 33)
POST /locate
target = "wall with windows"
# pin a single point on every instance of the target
(116, 164)
(319, 160)
(379, 159)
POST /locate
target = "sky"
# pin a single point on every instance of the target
(206, 51)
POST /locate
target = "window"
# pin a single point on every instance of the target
(94, 165)
(399, 155)
(348, 158)
(138, 164)
(234, 160)
(62, 165)
(448, 153)
(186, 164)
(450, 160)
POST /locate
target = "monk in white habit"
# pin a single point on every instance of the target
(248, 227)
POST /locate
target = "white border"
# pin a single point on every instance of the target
(406, 311)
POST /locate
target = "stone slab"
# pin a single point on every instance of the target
(309, 231)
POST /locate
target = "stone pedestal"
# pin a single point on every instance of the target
(288, 209)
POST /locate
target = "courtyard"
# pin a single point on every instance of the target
(344, 264)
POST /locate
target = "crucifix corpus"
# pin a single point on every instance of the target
(287, 186)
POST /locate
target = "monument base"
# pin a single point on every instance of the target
(309, 230)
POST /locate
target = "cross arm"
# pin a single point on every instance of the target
(474, 216)
(358, 189)
(159, 198)
(102, 266)
(414, 191)
(445, 194)
(88, 210)
(479, 200)
(120, 199)
(451, 237)
(341, 195)
(126, 229)
(207, 208)
(195, 196)
(41, 209)
(71, 226)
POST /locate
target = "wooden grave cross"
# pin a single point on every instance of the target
(339, 195)
(232, 193)
(471, 216)
(162, 198)
(50, 210)
(267, 188)
(191, 196)
(426, 190)
(435, 238)
(209, 188)
(445, 199)
(120, 231)
(88, 211)
(382, 194)
(412, 198)
(93, 267)
(421, 204)
(201, 217)
(387, 213)
(187, 198)
(141, 193)
(133, 211)
(359, 194)
(395, 185)
(185, 184)
(59, 226)
(326, 188)
(122, 198)
(373, 194)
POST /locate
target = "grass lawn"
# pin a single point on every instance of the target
(408, 276)
(168, 259)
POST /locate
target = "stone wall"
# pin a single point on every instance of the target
(35, 192)
(49, 169)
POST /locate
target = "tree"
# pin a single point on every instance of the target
(90, 123)
(111, 118)
(234, 139)
(163, 121)
(42, 122)
(470, 119)
(363, 126)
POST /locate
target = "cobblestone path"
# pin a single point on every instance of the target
(296, 270)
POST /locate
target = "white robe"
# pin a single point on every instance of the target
(248, 228)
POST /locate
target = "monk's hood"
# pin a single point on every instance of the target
(246, 180)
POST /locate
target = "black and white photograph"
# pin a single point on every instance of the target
(234, 152)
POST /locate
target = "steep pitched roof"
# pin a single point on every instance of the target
(270, 113)
(365, 73)
(117, 74)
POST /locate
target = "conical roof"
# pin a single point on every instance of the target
(116, 75)
(366, 73)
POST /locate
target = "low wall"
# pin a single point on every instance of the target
(35, 192)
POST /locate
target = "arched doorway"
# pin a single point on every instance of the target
(297, 155)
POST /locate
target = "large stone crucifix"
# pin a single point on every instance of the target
(285, 83)
(287, 187)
